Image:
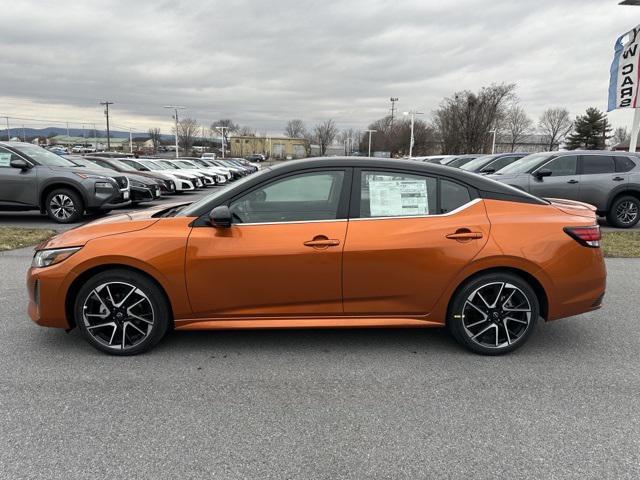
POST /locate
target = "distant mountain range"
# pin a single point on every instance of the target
(18, 131)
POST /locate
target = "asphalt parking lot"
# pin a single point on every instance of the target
(323, 403)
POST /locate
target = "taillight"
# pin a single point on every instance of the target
(587, 236)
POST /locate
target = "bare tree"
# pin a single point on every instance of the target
(516, 126)
(621, 135)
(247, 131)
(555, 124)
(465, 120)
(350, 138)
(154, 135)
(325, 133)
(230, 127)
(295, 129)
(188, 128)
(395, 138)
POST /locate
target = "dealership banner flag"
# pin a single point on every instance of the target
(625, 71)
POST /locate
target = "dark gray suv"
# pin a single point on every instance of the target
(32, 178)
(608, 180)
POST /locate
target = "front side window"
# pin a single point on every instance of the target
(384, 194)
(302, 197)
(562, 166)
(594, 164)
(44, 157)
(5, 157)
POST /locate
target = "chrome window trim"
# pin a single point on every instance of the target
(289, 223)
(448, 214)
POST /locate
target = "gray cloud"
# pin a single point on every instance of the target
(262, 63)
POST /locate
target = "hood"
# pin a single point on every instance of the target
(111, 225)
(572, 207)
(85, 170)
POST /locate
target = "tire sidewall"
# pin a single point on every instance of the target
(77, 203)
(612, 219)
(454, 317)
(154, 293)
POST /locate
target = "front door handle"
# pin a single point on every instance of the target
(618, 179)
(320, 241)
(464, 234)
(572, 182)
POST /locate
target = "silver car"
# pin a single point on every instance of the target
(608, 180)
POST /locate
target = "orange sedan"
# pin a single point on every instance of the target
(341, 242)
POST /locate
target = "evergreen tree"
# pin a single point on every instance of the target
(590, 131)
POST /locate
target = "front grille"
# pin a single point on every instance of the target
(123, 182)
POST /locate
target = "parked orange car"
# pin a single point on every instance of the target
(342, 242)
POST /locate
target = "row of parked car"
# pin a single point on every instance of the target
(65, 187)
(608, 180)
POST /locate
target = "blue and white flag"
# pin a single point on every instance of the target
(625, 71)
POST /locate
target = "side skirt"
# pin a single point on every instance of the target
(319, 322)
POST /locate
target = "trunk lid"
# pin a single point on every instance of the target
(573, 207)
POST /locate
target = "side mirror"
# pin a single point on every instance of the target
(20, 163)
(540, 174)
(144, 169)
(488, 171)
(220, 217)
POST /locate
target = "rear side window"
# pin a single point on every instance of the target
(501, 163)
(385, 194)
(594, 164)
(624, 164)
(452, 196)
(562, 166)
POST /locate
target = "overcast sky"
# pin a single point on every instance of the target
(263, 62)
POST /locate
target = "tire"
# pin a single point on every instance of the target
(121, 312)
(624, 212)
(490, 303)
(64, 205)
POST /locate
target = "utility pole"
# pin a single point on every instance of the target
(24, 135)
(67, 131)
(413, 114)
(106, 104)
(221, 130)
(393, 108)
(370, 132)
(8, 129)
(130, 141)
(175, 109)
(95, 135)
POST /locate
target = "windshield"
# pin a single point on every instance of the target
(194, 207)
(152, 165)
(184, 164)
(122, 166)
(458, 162)
(44, 157)
(525, 164)
(477, 164)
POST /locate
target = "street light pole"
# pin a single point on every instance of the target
(175, 109)
(413, 114)
(221, 130)
(370, 132)
(106, 104)
(493, 144)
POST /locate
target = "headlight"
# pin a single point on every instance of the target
(104, 185)
(46, 258)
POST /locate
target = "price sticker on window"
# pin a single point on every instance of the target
(398, 198)
(5, 159)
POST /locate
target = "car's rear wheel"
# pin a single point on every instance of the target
(624, 212)
(494, 313)
(64, 205)
(121, 312)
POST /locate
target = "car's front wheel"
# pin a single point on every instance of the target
(624, 212)
(493, 313)
(122, 312)
(64, 206)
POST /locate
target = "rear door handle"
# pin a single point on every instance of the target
(618, 179)
(321, 241)
(464, 235)
(572, 181)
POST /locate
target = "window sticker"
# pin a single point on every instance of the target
(5, 159)
(397, 198)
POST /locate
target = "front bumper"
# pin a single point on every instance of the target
(145, 194)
